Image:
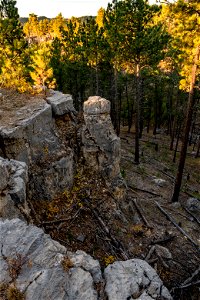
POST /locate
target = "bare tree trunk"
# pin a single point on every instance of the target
(177, 140)
(198, 149)
(155, 110)
(141, 121)
(137, 119)
(191, 102)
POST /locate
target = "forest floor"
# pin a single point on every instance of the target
(89, 218)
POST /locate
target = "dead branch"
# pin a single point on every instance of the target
(164, 240)
(176, 225)
(140, 212)
(61, 220)
(187, 285)
(115, 243)
(55, 221)
(188, 280)
(195, 218)
(149, 254)
(189, 194)
(142, 190)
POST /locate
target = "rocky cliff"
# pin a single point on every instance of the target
(43, 146)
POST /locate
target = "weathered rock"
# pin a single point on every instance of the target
(40, 273)
(101, 146)
(134, 279)
(159, 181)
(13, 180)
(35, 141)
(61, 103)
(193, 204)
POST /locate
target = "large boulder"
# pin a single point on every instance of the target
(134, 279)
(61, 103)
(45, 269)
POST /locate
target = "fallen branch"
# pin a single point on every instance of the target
(195, 218)
(115, 243)
(164, 240)
(139, 210)
(61, 220)
(55, 221)
(187, 285)
(188, 280)
(189, 194)
(176, 225)
(142, 190)
(149, 254)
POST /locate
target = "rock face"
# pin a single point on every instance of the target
(41, 273)
(134, 279)
(47, 138)
(43, 269)
(101, 148)
(35, 141)
(61, 103)
(13, 180)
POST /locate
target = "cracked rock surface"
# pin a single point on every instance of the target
(40, 273)
(41, 268)
(13, 180)
(134, 279)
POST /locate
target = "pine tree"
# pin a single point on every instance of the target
(42, 74)
(186, 42)
(13, 48)
(141, 40)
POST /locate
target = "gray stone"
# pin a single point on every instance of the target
(193, 204)
(159, 181)
(81, 259)
(61, 103)
(34, 139)
(13, 178)
(4, 176)
(41, 275)
(101, 146)
(134, 279)
(96, 105)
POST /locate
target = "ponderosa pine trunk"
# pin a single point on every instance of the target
(137, 118)
(191, 102)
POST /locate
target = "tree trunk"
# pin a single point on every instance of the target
(191, 102)
(137, 119)
(141, 89)
(177, 140)
(155, 110)
(198, 149)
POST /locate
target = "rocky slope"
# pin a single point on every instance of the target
(43, 143)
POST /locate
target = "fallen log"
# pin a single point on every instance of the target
(139, 210)
(177, 226)
(115, 243)
(188, 280)
(145, 191)
(163, 241)
(194, 217)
